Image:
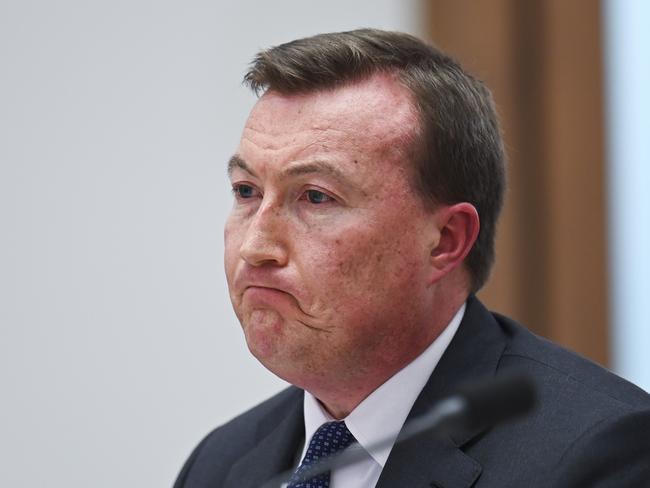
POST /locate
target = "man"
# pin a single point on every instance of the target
(367, 184)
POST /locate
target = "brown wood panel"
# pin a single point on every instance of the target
(542, 60)
(573, 118)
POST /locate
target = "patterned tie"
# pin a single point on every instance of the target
(329, 439)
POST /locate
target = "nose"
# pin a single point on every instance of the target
(265, 239)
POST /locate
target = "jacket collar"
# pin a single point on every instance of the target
(278, 439)
(426, 460)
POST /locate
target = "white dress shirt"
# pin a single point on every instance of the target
(381, 415)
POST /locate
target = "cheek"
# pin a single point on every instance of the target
(355, 258)
(364, 285)
(232, 236)
(369, 265)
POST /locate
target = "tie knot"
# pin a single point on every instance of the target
(329, 439)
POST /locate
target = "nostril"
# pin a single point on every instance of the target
(260, 249)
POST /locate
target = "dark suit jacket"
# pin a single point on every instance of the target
(590, 427)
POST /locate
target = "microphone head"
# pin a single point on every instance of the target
(501, 398)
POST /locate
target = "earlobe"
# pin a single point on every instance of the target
(458, 225)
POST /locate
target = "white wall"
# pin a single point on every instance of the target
(627, 48)
(118, 347)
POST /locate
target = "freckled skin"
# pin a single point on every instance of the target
(357, 299)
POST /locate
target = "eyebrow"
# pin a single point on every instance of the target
(314, 167)
(296, 169)
(237, 162)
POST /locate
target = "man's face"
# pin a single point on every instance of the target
(327, 245)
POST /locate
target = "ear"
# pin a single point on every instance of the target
(458, 226)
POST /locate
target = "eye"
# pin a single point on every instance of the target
(242, 190)
(316, 197)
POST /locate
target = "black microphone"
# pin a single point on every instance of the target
(482, 404)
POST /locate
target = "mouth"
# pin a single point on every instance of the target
(261, 296)
(247, 280)
(265, 289)
(265, 295)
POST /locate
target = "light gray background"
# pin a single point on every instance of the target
(627, 70)
(118, 346)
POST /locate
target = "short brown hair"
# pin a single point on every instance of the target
(459, 153)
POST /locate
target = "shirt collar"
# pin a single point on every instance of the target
(382, 413)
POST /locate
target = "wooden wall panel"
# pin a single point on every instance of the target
(542, 60)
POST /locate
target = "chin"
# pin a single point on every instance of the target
(262, 334)
(271, 356)
(276, 353)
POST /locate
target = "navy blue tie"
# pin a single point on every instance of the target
(329, 439)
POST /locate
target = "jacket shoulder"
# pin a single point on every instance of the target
(215, 454)
(589, 427)
(252, 423)
(558, 366)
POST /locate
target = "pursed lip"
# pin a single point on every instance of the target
(256, 296)
(269, 279)
(253, 278)
(267, 288)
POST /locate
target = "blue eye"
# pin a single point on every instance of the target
(243, 191)
(315, 196)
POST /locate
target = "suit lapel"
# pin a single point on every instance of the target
(280, 435)
(427, 460)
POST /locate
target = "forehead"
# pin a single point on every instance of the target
(374, 113)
